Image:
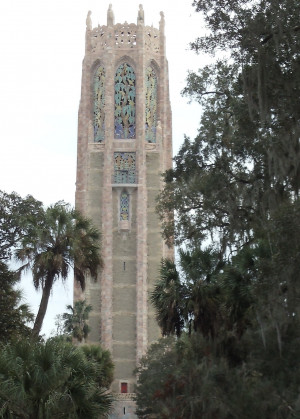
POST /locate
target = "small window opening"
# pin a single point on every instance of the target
(124, 411)
(124, 266)
(124, 387)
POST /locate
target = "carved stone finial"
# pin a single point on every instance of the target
(88, 21)
(140, 19)
(110, 16)
(162, 21)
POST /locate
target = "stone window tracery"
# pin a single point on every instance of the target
(99, 102)
(124, 207)
(125, 102)
(151, 105)
(124, 167)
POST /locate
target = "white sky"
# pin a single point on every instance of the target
(41, 52)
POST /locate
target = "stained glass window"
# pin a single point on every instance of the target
(124, 206)
(125, 102)
(124, 167)
(151, 105)
(99, 102)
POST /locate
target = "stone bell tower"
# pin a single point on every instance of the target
(124, 144)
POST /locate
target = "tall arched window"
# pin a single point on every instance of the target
(125, 102)
(151, 105)
(124, 206)
(99, 102)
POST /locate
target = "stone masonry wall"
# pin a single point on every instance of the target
(122, 318)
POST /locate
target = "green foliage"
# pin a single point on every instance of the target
(50, 241)
(168, 296)
(13, 314)
(188, 300)
(105, 366)
(245, 160)
(233, 297)
(75, 322)
(63, 240)
(191, 377)
(157, 366)
(18, 219)
(54, 379)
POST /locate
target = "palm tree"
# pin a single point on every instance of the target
(63, 240)
(188, 298)
(200, 269)
(168, 299)
(54, 379)
(75, 322)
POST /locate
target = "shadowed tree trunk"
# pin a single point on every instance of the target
(43, 306)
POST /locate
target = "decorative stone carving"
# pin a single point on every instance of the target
(110, 16)
(152, 39)
(124, 225)
(96, 147)
(150, 146)
(124, 396)
(99, 38)
(162, 21)
(140, 19)
(125, 35)
(88, 21)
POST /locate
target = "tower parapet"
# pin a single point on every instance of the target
(123, 36)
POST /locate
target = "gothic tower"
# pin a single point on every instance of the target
(124, 144)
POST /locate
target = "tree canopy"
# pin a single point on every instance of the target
(245, 160)
(54, 379)
(75, 322)
(14, 314)
(19, 217)
(232, 297)
(63, 240)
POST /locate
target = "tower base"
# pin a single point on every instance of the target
(124, 407)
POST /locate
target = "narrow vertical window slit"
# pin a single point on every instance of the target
(151, 105)
(99, 103)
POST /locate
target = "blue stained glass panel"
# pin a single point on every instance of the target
(125, 102)
(124, 167)
(124, 206)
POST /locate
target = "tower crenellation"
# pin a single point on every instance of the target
(123, 35)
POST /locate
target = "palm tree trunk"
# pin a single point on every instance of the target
(43, 306)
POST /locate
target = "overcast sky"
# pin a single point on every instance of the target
(42, 47)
